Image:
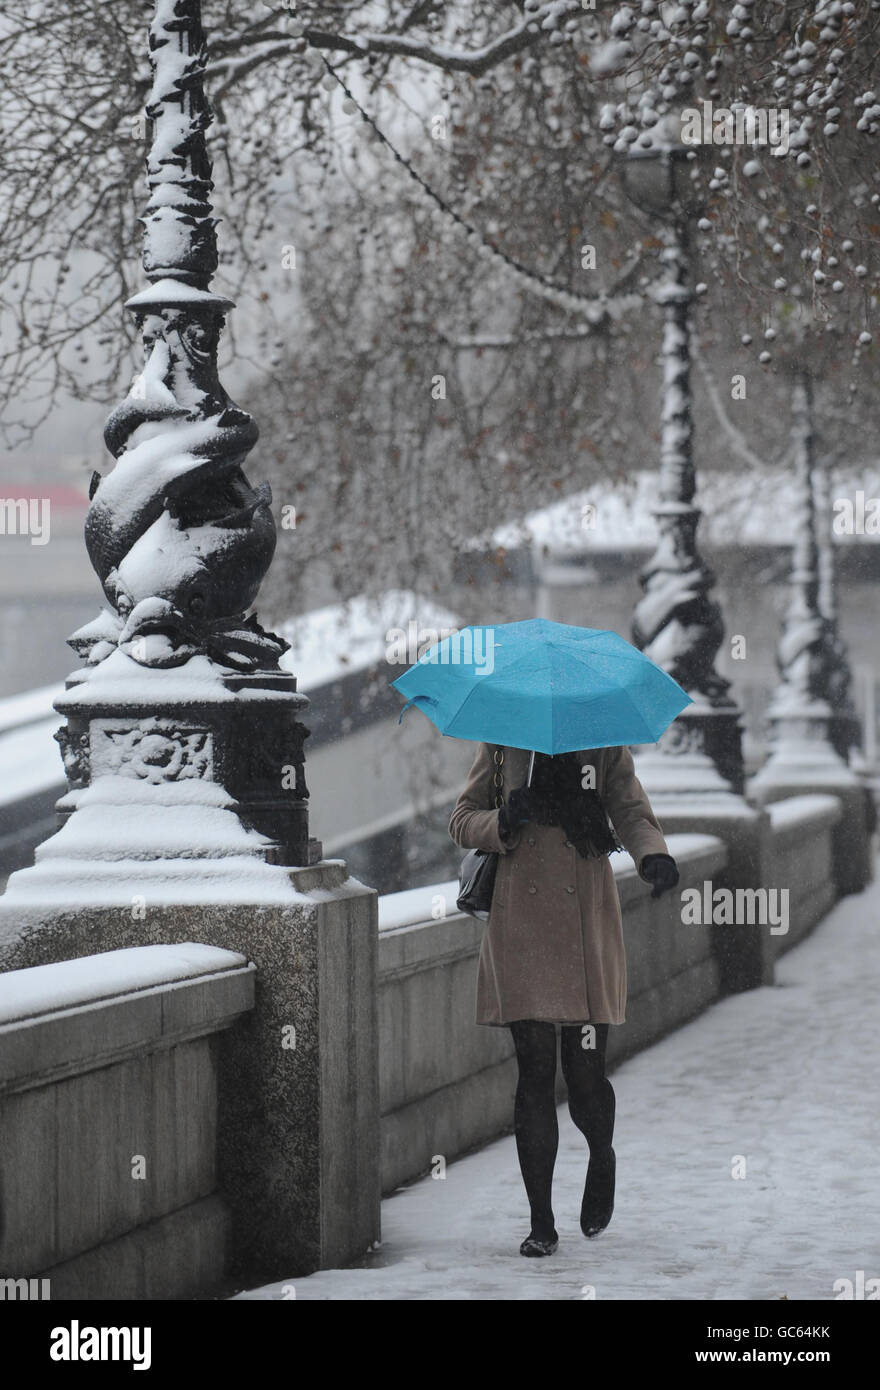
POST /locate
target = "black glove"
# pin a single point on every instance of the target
(661, 870)
(516, 812)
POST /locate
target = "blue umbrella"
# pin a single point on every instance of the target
(542, 686)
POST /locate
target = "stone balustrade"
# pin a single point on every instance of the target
(109, 1119)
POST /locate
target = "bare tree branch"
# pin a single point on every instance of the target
(737, 439)
(529, 31)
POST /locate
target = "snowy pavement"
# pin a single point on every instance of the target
(784, 1077)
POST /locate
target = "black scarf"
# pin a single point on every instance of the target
(560, 798)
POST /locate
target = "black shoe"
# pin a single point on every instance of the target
(533, 1247)
(598, 1203)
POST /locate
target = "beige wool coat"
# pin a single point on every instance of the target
(553, 946)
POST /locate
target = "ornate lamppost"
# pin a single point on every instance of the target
(182, 708)
(845, 731)
(186, 818)
(695, 774)
(814, 576)
(677, 621)
(799, 708)
(801, 716)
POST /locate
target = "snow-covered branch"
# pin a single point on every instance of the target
(533, 27)
(604, 313)
(529, 31)
(738, 441)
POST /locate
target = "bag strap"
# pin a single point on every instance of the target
(498, 777)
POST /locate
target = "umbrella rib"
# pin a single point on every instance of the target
(637, 714)
(626, 695)
(637, 658)
(472, 691)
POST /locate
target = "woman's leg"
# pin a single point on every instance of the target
(534, 1118)
(591, 1103)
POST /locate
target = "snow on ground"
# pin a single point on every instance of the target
(784, 1076)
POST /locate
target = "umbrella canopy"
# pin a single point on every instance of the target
(544, 686)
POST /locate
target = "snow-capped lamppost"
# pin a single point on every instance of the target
(677, 621)
(799, 706)
(695, 774)
(845, 731)
(813, 555)
(180, 687)
(186, 818)
(801, 717)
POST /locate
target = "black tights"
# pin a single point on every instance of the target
(590, 1104)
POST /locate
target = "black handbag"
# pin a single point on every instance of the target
(479, 866)
(477, 882)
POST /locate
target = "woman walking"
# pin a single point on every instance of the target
(553, 951)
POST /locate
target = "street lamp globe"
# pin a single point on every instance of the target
(660, 173)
